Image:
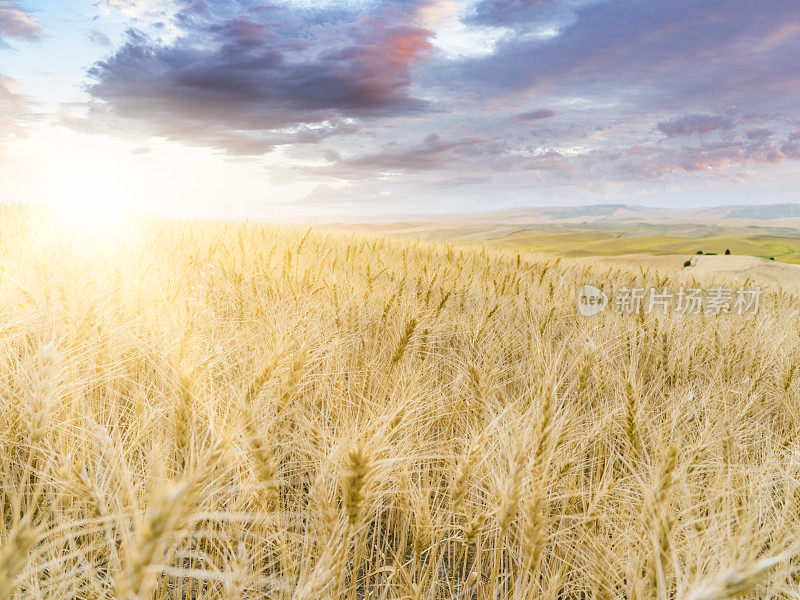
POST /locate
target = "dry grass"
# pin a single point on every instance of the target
(240, 412)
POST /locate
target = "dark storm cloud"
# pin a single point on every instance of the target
(245, 78)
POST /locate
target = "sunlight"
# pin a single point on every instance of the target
(91, 183)
(94, 206)
(93, 190)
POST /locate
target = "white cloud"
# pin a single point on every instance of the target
(454, 38)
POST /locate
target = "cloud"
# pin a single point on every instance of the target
(99, 38)
(125, 4)
(690, 55)
(758, 133)
(13, 107)
(694, 124)
(520, 13)
(141, 8)
(432, 154)
(656, 162)
(16, 23)
(642, 90)
(535, 115)
(791, 146)
(240, 78)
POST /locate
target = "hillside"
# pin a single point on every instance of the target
(616, 230)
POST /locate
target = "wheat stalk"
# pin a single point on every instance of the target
(14, 556)
(403, 343)
(353, 483)
(739, 580)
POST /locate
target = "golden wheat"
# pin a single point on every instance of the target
(212, 411)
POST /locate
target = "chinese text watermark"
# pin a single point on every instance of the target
(592, 300)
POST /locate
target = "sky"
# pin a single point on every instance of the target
(318, 109)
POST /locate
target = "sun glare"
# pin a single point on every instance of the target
(91, 207)
(95, 198)
(86, 215)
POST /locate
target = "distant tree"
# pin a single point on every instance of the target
(772, 258)
(699, 251)
(728, 252)
(688, 263)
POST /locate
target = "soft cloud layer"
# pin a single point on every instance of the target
(392, 98)
(677, 55)
(140, 8)
(640, 89)
(433, 153)
(12, 107)
(521, 14)
(14, 23)
(544, 113)
(694, 124)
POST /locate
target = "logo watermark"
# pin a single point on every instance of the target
(592, 300)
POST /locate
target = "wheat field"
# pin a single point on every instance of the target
(239, 411)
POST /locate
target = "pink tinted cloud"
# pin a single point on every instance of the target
(15, 22)
(13, 107)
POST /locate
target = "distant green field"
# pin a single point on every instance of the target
(579, 243)
(607, 239)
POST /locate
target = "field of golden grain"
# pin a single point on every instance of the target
(237, 411)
